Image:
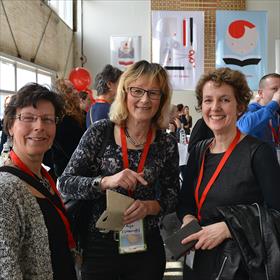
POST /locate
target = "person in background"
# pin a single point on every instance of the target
(174, 122)
(85, 101)
(188, 124)
(181, 113)
(35, 237)
(105, 84)
(262, 118)
(224, 177)
(69, 130)
(140, 160)
(4, 137)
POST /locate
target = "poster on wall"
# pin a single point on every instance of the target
(241, 43)
(125, 50)
(178, 45)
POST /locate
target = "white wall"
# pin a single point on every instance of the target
(105, 18)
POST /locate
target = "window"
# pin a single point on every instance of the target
(64, 9)
(15, 73)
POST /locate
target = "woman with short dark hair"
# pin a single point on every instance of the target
(36, 240)
(105, 84)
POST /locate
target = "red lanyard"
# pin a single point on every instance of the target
(143, 155)
(199, 202)
(101, 100)
(17, 161)
(275, 134)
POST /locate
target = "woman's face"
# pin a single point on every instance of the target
(31, 139)
(143, 108)
(219, 107)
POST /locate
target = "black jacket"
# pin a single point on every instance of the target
(256, 231)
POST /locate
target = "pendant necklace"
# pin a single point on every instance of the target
(134, 142)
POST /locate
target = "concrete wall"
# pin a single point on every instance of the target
(28, 20)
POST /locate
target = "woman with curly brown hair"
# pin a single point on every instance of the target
(231, 186)
(69, 130)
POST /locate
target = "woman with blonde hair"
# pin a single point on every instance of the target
(139, 160)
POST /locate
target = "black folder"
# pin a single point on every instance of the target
(173, 243)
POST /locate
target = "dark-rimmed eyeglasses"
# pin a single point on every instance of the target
(137, 92)
(31, 118)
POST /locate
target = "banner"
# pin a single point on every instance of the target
(178, 45)
(241, 43)
(125, 50)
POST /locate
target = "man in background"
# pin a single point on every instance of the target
(262, 118)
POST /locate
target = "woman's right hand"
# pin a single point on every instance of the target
(127, 179)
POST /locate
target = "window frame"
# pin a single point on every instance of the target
(22, 64)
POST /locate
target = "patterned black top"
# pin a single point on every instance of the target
(161, 171)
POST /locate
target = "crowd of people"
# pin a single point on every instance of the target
(127, 142)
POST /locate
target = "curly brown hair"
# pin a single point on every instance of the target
(71, 100)
(233, 78)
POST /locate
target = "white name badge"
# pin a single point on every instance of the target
(131, 238)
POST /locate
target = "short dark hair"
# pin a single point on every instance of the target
(108, 74)
(180, 107)
(30, 95)
(270, 75)
(233, 78)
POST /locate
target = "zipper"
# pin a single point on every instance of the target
(261, 230)
(222, 268)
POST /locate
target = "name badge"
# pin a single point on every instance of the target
(131, 238)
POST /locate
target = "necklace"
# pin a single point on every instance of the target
(44, 182)
(134, 142)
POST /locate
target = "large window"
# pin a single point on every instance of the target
(64, 8)
(15, 73)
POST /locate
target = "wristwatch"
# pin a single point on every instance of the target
(96, 181)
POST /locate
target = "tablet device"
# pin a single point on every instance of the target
(173, 243)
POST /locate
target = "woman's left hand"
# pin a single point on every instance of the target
(210, 236)
(140, 209)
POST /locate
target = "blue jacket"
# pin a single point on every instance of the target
(97, 111)
(256, 121)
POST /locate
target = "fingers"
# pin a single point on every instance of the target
(209, 237)
(138, 210)
(127, 179)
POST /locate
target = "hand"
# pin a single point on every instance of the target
(127, 179)
(187, 219)
(276, 96)
(172, 127)
(140, 209)
(210, 236)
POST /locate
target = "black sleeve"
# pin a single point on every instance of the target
(199, 132)
(190, 122)
(267, 171)
(186, 203)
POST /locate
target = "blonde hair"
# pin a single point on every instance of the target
(154, 72)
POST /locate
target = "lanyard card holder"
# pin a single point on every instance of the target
(131, 238)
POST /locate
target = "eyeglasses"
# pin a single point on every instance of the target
(137, 92)
(30, 118)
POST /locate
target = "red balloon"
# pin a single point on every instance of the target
(80, 78)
